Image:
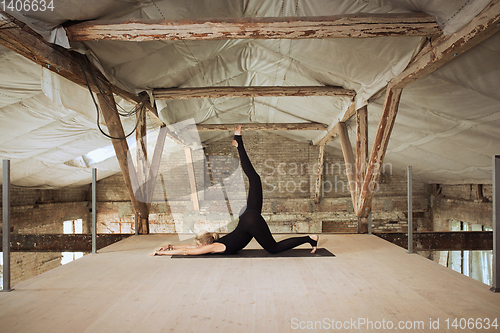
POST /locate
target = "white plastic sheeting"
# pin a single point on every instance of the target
(447, 126)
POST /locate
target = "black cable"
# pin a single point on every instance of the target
(140, 106)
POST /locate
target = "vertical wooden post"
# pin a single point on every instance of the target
(496, 225)
(115, 128)
(349, 161)
(142, 156)
(318, 196)
(6, 225)
(361, 151)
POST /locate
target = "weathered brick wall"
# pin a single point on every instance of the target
(43, 211)
(288, 172)
(460, 203)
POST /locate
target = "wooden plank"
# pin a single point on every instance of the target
(360, 25)
(442, 240)
(192, 179)
(21, 39)
(318, 195)
(378, 151)
(349, 161)
(115, 128)
(361, 148)
(484, 25)
(269, 91)
(61, 242)
(261, 127)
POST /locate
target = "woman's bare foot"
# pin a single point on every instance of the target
(237, 131)
(315, 238)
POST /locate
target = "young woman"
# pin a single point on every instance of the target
(250, 225)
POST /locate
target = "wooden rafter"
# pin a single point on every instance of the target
(484, 25)
(262, 127)
(270, 91)
(361, 25)
(446, 48)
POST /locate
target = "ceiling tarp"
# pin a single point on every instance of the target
(447, 126)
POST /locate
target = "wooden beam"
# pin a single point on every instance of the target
(71, 65)
(267, 91)
(192, 179)
(361, 25)
(115, 128)
(318, 195)
(142, 155)
(349, 161)
(334, 131)
(361, 149)
(61, 242)
(262, 127)
(378, 151)
(446, 48)
(442, 240)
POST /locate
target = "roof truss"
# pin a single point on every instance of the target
(351, 25)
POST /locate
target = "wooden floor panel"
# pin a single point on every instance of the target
(122, 289)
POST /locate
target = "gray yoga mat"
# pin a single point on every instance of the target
(261, 253)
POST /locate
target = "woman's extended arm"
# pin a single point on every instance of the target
(175, 247)
(211, 248)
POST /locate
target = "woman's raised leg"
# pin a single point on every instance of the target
(254, 199)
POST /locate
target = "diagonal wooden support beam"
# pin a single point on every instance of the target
(360, 25)
(21, 39)
(446, 48)
(378, 151)
(115, 128)
(270, 91)
(349, 161)
(361, 149)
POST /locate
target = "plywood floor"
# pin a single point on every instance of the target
(122, 289)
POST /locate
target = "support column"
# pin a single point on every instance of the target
(6, 225)
(318, 196)
(496, 225)
(410, 210)
(94, 210)
(361, 151)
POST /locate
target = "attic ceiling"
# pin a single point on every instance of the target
(447, 126)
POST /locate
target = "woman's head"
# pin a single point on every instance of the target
(205, 238)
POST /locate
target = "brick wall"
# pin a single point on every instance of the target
(460, 203)
(288, 172)
(43, 211)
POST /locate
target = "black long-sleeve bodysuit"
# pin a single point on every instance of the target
(251, 223)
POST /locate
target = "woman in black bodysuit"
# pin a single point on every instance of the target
(251, 223)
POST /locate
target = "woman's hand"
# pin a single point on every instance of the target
(167, 247)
